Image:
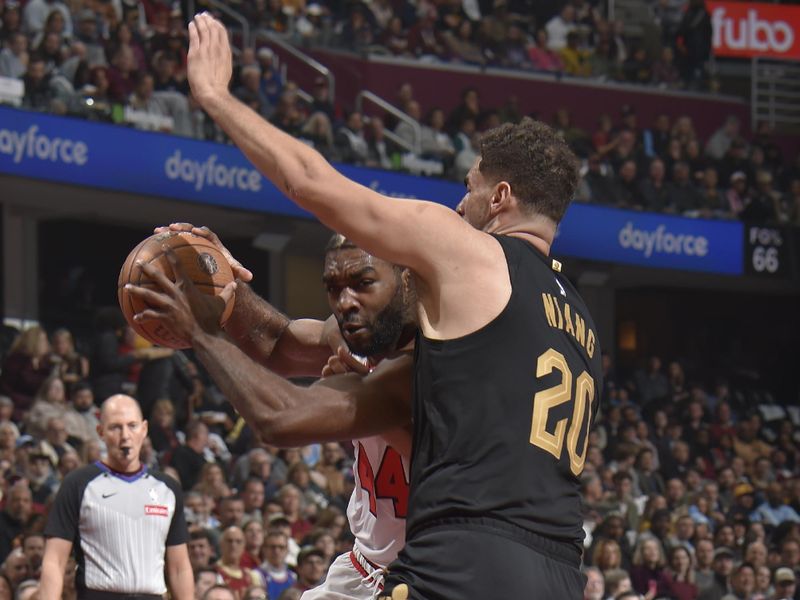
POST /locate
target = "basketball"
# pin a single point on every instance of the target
(202, 263)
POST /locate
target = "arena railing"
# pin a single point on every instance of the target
(416, 145)
(299, 55)
(775, 93)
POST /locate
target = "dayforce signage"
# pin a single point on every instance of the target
(747, 29)
(111, 157)
(650, 240)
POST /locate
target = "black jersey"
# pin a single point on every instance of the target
(502, 415)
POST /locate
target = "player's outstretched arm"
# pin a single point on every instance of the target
(427, 237)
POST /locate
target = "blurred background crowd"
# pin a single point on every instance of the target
(691, 486)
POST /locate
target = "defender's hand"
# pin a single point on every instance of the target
(209, 62)
(239, 270)
(344, 362)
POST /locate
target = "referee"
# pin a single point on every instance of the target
(124, 522)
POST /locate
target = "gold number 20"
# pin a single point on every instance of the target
(548, 399)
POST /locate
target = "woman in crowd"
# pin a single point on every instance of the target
(680, 575)
(294, 509)
(607, 555)
(73, 367)
(648, 574)
(8, 441)
(253, 541)
(50, 403)
(162, 426)
(25, 368)
(212, 482)
(300, 475)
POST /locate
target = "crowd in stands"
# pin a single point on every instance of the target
(124, 61)
(691, 488)
(669, 45)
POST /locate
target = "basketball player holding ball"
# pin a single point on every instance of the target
(373, 307)
(507, 363)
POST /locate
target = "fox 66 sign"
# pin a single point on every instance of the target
(766, 253)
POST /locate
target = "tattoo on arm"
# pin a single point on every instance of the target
(255, 324)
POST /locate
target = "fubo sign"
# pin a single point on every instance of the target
(747, 29)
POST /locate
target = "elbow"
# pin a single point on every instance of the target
(277, 427)
(268, 430)
(274, 431)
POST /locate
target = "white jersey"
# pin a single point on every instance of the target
(378, 505)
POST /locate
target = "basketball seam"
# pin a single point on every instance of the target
(139, 329)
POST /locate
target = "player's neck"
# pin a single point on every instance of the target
(537, 231)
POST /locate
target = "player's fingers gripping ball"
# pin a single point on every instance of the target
(201, 262)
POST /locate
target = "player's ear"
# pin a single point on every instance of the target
(145, 427)
(99, 428)
(501, 197)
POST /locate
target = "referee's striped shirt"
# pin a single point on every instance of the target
(120, 526)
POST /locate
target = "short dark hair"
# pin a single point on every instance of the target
(339, 242)
(193, 428)
(79, 386)
(536, 161)
(250, 480)
(201, 534)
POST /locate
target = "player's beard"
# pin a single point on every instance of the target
(385, 329)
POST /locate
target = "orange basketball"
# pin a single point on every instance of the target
(202, 262)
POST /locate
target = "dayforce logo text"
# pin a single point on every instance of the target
(32, 145)
(211, 173)
(746, 29)
(660, 241)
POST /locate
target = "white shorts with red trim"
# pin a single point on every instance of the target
(348, 580)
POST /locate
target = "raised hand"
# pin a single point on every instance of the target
(209, 62)
(239, 271)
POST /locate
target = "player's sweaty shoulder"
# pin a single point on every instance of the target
(469, 295)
